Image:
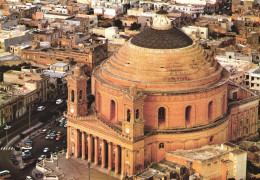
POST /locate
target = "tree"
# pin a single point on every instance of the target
(118, 23)
(135, 26)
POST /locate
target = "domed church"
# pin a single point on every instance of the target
(160, 92)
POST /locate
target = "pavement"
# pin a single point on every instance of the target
(76, 169)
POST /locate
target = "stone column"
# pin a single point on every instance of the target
(68, 143)
(103, 154)
(77, 143)
(90, 147)
(110, 156)
(96, 150)
(83, 143)
(117, 160)
(122, 162)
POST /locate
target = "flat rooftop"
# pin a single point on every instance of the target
(200, 154)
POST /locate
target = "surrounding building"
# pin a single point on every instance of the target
(160, 92)
(21, 92)
(225, 161)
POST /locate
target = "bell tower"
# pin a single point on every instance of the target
(133, 122)
(77, 92)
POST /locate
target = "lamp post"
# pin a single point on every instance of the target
(88, 166)
(6, 128)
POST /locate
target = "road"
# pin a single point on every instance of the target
(39, 143)
(22, 123)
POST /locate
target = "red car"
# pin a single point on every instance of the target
(43, 131)
(58, 138)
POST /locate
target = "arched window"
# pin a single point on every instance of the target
(210, 110)
(72, 96)
(112, 109)
(80, 94)
(128, 115)
(137, 114)
(211, 139)
(223, 104)
(161, 117)
(161, 146)
(187, 115)
(161, 113)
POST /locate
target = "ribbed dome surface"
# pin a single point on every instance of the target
(160, 58)
(162, 39)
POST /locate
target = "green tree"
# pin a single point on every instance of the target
(135, 26)
(118, 23)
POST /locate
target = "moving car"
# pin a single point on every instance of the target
(40, 108)
(5, 174)
(26, 148)
(28, 142)
(59, 101)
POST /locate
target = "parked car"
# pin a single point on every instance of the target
(40, 108)
(62, 119)
(65, 125)
(29, 178)
(58, 138)
(48, 136)
(43, 131)
(45, 150)
(41, 157)
(59, 101)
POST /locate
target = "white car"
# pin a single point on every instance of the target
(27, 148)
(40, 108)
(62, 119)
(46, 150)
(47, 137)
(59, 101)
(41, 157)
(29, 178)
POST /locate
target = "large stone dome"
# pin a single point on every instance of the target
(161, 58)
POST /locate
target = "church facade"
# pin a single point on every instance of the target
(160, 92)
